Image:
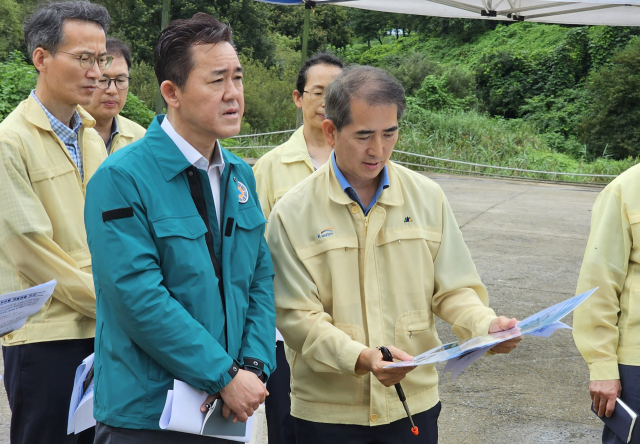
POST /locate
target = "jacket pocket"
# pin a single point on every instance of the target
(327, 387)
(415, 333)
(188, 227)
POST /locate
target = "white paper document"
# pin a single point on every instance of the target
(81, 406)
(461, 354)
(182, 413)
(16, 307)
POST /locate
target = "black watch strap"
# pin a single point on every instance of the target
(255, 366)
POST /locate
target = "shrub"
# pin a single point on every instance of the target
(136, 110)
(18, 79)
(144, 84)
(611, 125)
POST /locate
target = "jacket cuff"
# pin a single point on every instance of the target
(482, 327)
(604, 370)
(225, 378)
(348, 357)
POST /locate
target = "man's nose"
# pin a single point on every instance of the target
(112, 88)
(94, 72)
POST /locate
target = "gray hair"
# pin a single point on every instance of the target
(43, 29)
(372, 85)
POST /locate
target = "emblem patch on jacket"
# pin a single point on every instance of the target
(408, 219)
(325, 233)
(243, 193)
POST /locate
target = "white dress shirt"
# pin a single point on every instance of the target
(214, 169)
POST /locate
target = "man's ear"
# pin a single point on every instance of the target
(297, 98)
(170, 91)
(330, 132)
(39, 56)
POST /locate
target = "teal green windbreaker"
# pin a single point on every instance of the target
(159, 310)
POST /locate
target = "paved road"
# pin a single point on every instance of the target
(527, 241)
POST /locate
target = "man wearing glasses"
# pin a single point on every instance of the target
(48, 153)
(110, 97)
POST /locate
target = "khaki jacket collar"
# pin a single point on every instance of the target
(124, 127)
(295, 149)
(35, 115)
(390, 196)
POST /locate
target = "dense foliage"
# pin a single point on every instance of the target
(574, 88)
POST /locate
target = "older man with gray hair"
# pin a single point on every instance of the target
(48, 153)
(366, 252)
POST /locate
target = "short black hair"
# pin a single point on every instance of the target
(43, 28)
(118, 48)
(173, 52)
(374, 86)
(320, 59)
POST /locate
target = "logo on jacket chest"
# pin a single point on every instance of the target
(325, 233)
(243, 193)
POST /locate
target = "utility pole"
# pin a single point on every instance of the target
(166, 15)
(308, 6)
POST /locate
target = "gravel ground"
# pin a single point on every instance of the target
(527, 241)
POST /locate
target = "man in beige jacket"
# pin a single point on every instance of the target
(607, 325)
(110, 98)
(48, 153)
(366, 252)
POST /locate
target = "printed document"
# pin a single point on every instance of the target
(81, 406)
(16, 307)
(182, 413)
(461, 354)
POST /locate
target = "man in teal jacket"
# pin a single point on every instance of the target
(182, 271)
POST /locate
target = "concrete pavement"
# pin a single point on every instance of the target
(527, 241)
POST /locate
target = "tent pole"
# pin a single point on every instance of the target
(308, 5)
(166, 12)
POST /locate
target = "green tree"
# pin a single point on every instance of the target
(329, 26)
(369, 25)
(138, 23)
(10, 27)
(18, 79)
(611, 127)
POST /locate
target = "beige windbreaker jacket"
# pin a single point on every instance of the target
(607, 325)
(281, 169)
(130, 131)
(345, 282)
(42, 235)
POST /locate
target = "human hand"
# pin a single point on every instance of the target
(502, 323)
(604, 394)
(370, 360)
(209, 400)
(242, 396)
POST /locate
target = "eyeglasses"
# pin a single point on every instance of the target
(88, 60)
(317, 95)
(121, 83)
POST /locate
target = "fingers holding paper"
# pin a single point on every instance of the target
(604, 394)
(370, 360)
(502, 323)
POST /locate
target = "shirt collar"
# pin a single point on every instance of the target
(193, 156)
(351, 192)
(66, 134)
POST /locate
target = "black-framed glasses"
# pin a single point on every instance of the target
(88, 60)
(316, 95)
(121, 83)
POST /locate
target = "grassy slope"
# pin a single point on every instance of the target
(474, 137)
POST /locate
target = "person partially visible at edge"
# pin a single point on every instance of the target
(184, 283)
(276, 173)
(116, 130)
(366, 252)
(607, 325)
(49, 151)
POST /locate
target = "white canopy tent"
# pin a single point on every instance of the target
(576, 12)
